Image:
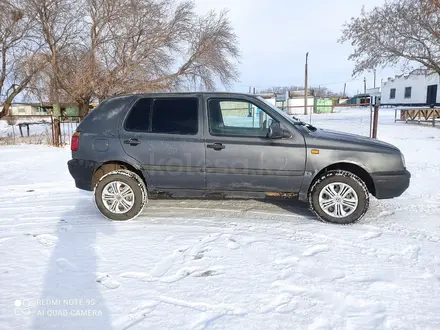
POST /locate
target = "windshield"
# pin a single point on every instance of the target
(279, 111)
(292, 119)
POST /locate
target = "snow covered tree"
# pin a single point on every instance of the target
(399, 32)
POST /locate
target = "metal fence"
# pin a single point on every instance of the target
(42, 129)
(67, 126)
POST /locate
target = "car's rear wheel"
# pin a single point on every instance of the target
(120, 195)
(339, 197)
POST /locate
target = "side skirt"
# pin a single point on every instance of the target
(206, 194)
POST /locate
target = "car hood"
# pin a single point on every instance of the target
(324, 136)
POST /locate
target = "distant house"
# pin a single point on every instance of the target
(293, 102)
(37, 109)
(418, 88)
(359, 99)
(27, 109)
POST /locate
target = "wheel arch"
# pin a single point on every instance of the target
(356, 169)
(113, 165)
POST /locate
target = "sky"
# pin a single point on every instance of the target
(275, 35)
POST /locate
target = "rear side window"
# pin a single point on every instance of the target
(175, 116)
(169, 116)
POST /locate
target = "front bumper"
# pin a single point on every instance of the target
(391, 184)
(82, 172)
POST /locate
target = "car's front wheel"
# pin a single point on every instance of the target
(339, 197)
(120, 195)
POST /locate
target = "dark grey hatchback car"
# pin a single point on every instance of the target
(211, 145)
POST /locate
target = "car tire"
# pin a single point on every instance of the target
(124, 203)
(339, 197)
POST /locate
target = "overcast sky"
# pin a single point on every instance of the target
(274, 36)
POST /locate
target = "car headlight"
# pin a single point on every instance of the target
(403, 160)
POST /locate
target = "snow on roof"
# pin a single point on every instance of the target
(416, 72)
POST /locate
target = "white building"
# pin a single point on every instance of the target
(293, 102)
(26, 109)
(419, 88)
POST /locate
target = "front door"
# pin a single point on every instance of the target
(431, 97)
(240, 157)
(165, 136)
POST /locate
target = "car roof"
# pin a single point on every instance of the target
(180, 94)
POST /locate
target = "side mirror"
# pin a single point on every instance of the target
(276, 132)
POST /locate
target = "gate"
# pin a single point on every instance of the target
(63, 129)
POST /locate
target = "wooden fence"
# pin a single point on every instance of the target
(418, 115)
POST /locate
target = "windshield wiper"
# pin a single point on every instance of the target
(301, 123)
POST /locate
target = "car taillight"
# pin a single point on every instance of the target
(75, 141)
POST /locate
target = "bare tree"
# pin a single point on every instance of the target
(58, 23)
(19, 52)
(159, 46)
(81, 68)
(99, 48)
(399, 32)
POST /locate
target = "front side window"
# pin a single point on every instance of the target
(392, 93)
(237, 118)
(163, 115)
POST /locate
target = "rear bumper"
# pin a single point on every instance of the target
(82, 172)
(391, 184)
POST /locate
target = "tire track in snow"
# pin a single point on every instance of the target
(280, 225)
(314, 250)
(183, 257)
(366, 249)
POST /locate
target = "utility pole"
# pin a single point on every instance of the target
(365, 85)
(249, 105)
(306, 83)
(375, 121)
(374, 78)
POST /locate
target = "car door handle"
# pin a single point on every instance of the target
(216, 146)
(132, 142)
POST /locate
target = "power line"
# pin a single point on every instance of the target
(325, 84)
(341, 82)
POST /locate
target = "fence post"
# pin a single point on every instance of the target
(51, 126)
(56, 132)
(375, 121)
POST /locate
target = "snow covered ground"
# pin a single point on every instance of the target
(219, 264)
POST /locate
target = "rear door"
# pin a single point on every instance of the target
(164, 135)
(239, 156)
